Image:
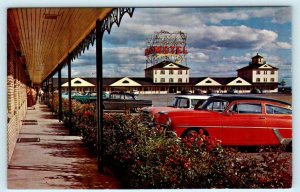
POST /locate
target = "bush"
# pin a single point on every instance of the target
(146, 157)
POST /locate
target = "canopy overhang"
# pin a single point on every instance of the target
(45, 36)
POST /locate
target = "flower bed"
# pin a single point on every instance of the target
(144, 157)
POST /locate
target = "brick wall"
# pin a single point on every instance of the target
(16, 96)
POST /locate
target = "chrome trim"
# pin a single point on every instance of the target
(284, 141)
(163, 112)
(233, 127)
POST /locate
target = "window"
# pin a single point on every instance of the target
(257, 72)
(77, 82)
(208, 81)
(162, 72)
(183, 103)
(272, 72)
(155, 72)
(186, 72)
(128, 97)
(265, 72)
(179, 72)
(179, 80)
(249, 108)
(155, 80)
(125, 82)
(265, 79)
(171, 80)
(238, 81)
(162, 80)
(215, 105)
(257, 79)
(272, 79)
(171, 72)
(270, 109)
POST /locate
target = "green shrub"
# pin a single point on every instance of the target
(149, 158)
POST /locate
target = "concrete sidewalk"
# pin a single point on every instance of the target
(56, 160)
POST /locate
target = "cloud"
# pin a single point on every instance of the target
(200, 34)
(216, 47)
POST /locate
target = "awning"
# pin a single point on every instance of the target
(45, 36)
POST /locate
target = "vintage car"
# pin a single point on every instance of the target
(65, 95)
(115, 101)
(179, 102)
(235, 120)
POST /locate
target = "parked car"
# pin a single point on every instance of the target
(256, 91)
(232, 91)
(135, 92)
(115, 101)
(235, 120)
(179, 102)
(65, 95)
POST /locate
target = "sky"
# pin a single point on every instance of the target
(220, 40)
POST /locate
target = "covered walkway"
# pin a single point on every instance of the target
(46, 157)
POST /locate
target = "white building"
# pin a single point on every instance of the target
(168, 72)
(260, 74)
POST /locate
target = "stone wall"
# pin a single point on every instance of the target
(16, 96)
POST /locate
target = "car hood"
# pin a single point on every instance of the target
(186, 115)
(154, 110)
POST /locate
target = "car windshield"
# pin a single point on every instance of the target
(214, 105)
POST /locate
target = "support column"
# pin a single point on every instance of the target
(71, 132)
(59, 96)
(99, 75)
(52, 92)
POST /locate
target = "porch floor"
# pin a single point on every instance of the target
(51, 159)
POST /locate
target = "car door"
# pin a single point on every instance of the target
(244, 124)
(279, 120)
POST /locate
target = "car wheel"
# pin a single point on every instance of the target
(190, 133)
(136, 109)
(289, 147)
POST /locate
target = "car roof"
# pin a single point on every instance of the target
(193, 96)
(231, 98)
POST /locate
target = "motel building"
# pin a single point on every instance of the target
(168, 77)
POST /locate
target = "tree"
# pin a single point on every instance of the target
(282, 83)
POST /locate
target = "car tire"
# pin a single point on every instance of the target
(136, 109)
(190, 133)
(289, 147)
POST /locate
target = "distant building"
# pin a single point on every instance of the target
(168, 77)
(260, 74)
(168, 72)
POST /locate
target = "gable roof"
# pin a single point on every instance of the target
(78, 82)
(257, 56)
(257, 66)
(162, 64)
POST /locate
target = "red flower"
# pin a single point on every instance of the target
(128, 141)
(188, 144)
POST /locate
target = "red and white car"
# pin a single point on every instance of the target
(180, 102)
(235, 120)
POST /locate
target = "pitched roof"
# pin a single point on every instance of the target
(257, 56)
(255, 66)
(164, 63)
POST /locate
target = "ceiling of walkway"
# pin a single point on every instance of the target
(45, 36)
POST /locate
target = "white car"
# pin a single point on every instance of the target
(180, 102)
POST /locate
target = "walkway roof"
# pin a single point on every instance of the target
(45, 36)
